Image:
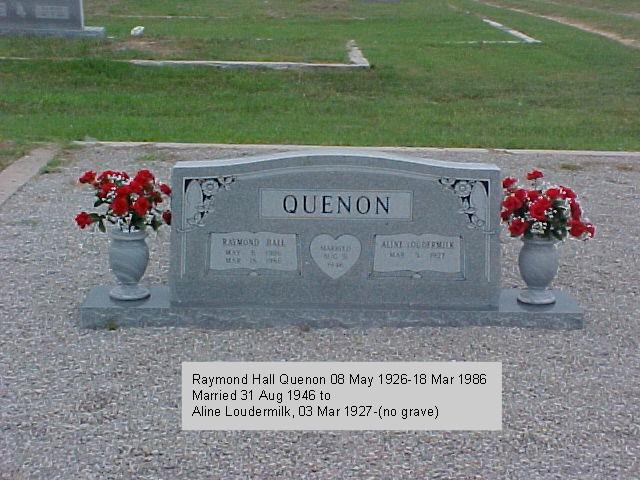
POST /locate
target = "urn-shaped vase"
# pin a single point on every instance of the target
(538, 263)
(128, 259)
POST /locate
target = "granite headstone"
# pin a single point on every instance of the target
(64, 18)
(335, 230)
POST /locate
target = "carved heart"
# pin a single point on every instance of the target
(335, 256)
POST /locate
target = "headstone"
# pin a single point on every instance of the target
(335, 231)
(64, 18)
(333, 237)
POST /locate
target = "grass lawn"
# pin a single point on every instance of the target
(617, 16)
(10, 152)
(574, 91)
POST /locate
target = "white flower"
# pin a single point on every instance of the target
(538, 227)
(462, 188)
(210, 187)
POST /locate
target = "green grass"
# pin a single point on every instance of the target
(575, 91)
(616, 16)
(62, 158)
(10, 151)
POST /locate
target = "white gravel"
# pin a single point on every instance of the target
(106, 404)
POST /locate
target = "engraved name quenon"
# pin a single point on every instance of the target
(323, 204)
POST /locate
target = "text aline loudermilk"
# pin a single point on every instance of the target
(342, 396)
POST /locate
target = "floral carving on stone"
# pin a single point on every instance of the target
(474, 199)
(199, 199)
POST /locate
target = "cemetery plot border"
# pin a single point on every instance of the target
(522, 38)
(357, 61)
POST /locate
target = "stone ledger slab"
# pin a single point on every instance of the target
(99, 311)
(61, 18)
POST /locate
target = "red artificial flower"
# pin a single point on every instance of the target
(105, 175)
(518, 226)
(83, 219)
(577, 228)
(539, 207)
(166, 189)
(567, 192)
(576, 211)
(591, 230)
(105, 189)
(521, 194)
(123, 191)
(166, 216)
(87, 177)
(109, 174)
(155, 197)
(141, 206)
(533, 195)
(534, 174)
(136, 187)
(144, 177)
(120, 206)
(509, 182)
(505, 214)
(512, 203)
(553, 193)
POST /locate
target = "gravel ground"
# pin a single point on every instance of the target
(106, 404)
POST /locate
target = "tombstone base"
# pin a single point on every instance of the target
(86, 32)
(100, 311)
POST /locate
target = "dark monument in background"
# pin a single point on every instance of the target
(59, 18)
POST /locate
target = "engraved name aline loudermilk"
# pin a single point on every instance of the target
(335, 229)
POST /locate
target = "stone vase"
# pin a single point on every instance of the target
(128, 259)
(538, 263)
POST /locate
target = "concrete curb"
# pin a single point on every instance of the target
(629, 42)
(356, 59)
(515, 33)
(269, 147)
(24, 169)
(231, 65)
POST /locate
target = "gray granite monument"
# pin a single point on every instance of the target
(62, 18)
(332, 238)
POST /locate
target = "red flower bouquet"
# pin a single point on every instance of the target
(132, 203)
(543, 210)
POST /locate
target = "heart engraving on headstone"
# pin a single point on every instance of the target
(335, 256)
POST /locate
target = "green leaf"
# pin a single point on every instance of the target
(101, 226)
(137, 222)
